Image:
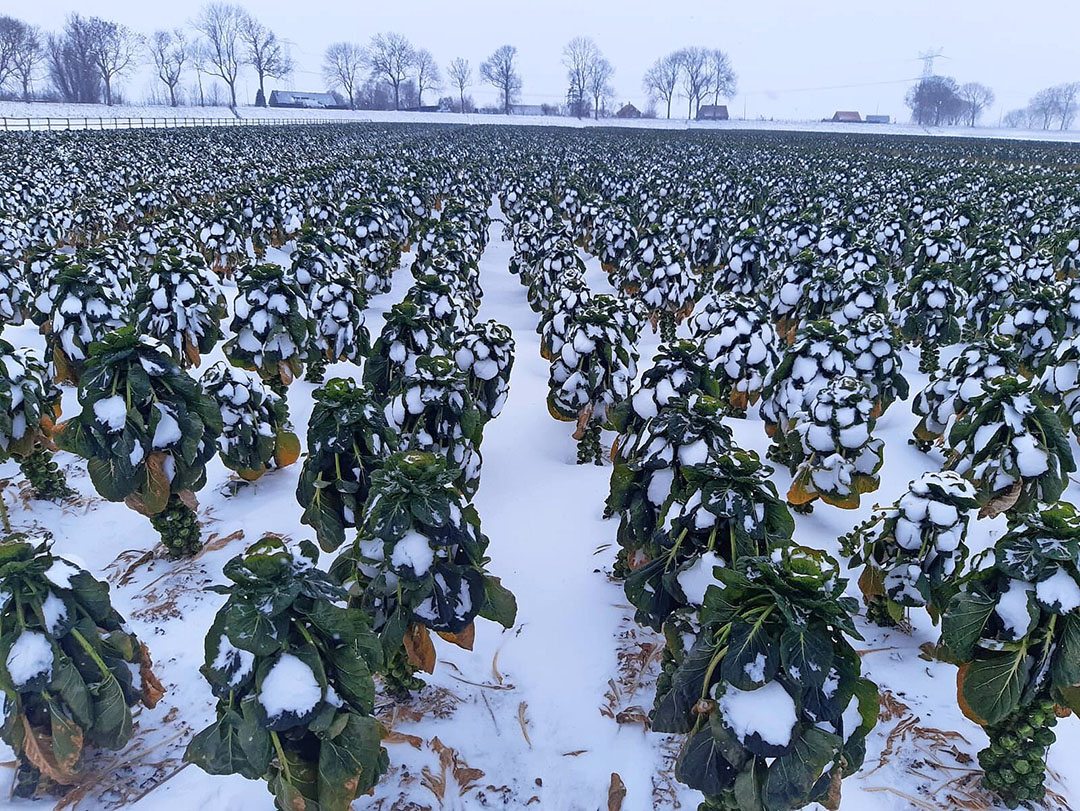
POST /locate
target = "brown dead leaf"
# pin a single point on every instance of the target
(996, 506)
(153, 495)
(152, 688)
(415, 741)
(419, 649)
(39, 751)
(616, 793)
(214, 543)
(522, 708)
(582, 421)
(463, 639)
(188, 499)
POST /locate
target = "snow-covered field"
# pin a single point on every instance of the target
(89, 115)
(550, 709)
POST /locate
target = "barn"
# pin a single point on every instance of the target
(628, 111)
(846, 117)
(712, 112)
(307, 101)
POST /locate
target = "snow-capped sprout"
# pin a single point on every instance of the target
(347, 440)
(913, 552)
(463, 280)
(113, 261)
(255, 434)
(337, 313)
(1012, 446)
(1035, 323)
(594, 370)
(1037, 268)
(706, 244)
(375, 243)
(657, 272)
(147, 431)
(861, 295)
(72, 669)
(433, 412)
(1011, 630)
(407, 335)
(952, 388)
(221, 239)
(300, 677)
(14, 237)
(485, 353)
(834, 240)
(81, 309)
(180, 303)
(745, 264)
(418, 565)
(313, 259)
(838, 457)
(613, 237)
(890, 235)
(875, 348)
(439, 303)
(773, 682)
(456, 245)
(650, 462)
(29, 406)
(931, 304)
(1060, 382)
(15, 292)
(819, 354)
(740, 345)
(271, 325)
(992, 285)
(552, 263)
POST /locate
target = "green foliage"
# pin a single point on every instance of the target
(780, 625)
(70, 669)
(348, 439)
(146, 429)
(292, 671)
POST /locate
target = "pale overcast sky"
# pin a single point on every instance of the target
(795, 59)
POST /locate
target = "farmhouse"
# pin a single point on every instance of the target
(297, 98)
(712, 112)
(846, 117)
(628, 111)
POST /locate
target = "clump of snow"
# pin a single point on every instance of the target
(60, 573)
(229, 656)
(695, 580)
(54, 611)
(768, 711)
(111, 412)
(290, 686)
(413, 550)
(1059, 592)
(1012, 608)
(30, 656)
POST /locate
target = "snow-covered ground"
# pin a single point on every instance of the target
(90, 115)
(550, 709)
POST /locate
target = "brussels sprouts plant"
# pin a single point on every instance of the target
(441, 304)
(434, 412)
(818, 355)
(147, 431)
(1014, 631)
(875, 349)
(485, 353)
(593, 371)
(70, 669)
(1011, 445)
(291, 665)
(418, 565)
(337, 315)
(745, 267)
(15, 292)
(740, 345)
(180, 304)
(770, 696)
(29, 406)
(838, 456)
(1036, 324)
(348, 439)
(81, 309)
(658, 273)
(570, 295)
(407, 335)
(931, 304)
(271, 326)
(952, 388)
(913, 552)
(255, 434)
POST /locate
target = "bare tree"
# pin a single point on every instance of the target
(169, 52)
(460, 73)
(221, 25)
(500, 71)
(976, 98)
(11, 35)
(199, 61)
(1043, 108)
(267, 54)
(71, 64)
(695, 75)
(579, 58)
(342, 65)
(390, 57)
(934, 101)
(116, 50)
(427, 74)
(28, 57)
(722, 80)
(662, 78)
(600, 83)
(1017, 119)
(1065, 102)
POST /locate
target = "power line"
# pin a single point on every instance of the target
(827, 87)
